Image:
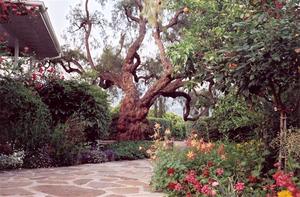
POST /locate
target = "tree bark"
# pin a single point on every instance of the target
(132, 123)
(282, 140)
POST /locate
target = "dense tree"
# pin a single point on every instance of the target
(252, 45)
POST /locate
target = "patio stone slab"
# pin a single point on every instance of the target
(111, 179)
(68, 191)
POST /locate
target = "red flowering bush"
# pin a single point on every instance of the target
(8, 8)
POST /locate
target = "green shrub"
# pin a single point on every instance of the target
(66, 145)
(130, 150)
(232, 112)
(205, 127)
(88, 103)
(164, 123)
(232, 119)
(93, 156)
(38, 159)
(24, 118)
(114, 111)
(178, 126)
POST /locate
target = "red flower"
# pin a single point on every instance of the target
(41, 70)
(170, 171)
(191, 178)
(33, 76)
(278, 5)
(188, 194)
(239, 186)
(219, 171)
(252, 179)
(206, 172)
(171, 186)
(210, 164)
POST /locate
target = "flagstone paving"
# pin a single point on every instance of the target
(112, 179)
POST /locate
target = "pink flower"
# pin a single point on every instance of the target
(178, 187)
(239, 186)
(219, 171)
(206, 189)
(191, 177)
(215, 184)
(283, 179)
(198, 186)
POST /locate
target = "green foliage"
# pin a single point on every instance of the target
(24, 118)
(178, 127)
(163, 122)
(38, 159)
(65, 148)
(232, 119)
(232, 112)
(205, 127)
(130, 150)
(89, 103)
(93, 156)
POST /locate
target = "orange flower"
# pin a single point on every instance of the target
(191, 155)
(232, 66)
(194, 143)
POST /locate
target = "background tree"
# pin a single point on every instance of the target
(127, 73)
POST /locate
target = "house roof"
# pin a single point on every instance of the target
(33, 32)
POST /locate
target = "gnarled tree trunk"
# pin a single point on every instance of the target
(132, 123)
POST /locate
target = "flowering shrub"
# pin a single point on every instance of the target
(216, 169)
(12, 161)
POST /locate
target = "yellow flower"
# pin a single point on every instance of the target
(190, 155)
(285, 193)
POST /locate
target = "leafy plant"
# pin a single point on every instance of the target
(130, 150)
(93, 156)
(38, 159)
(65, 149)
(69, 98)
(24, 118)
(178, 127)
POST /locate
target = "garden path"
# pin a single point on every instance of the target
(111, 179)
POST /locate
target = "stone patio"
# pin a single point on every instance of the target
(112, 179)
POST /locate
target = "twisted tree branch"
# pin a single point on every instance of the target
(174, 21)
